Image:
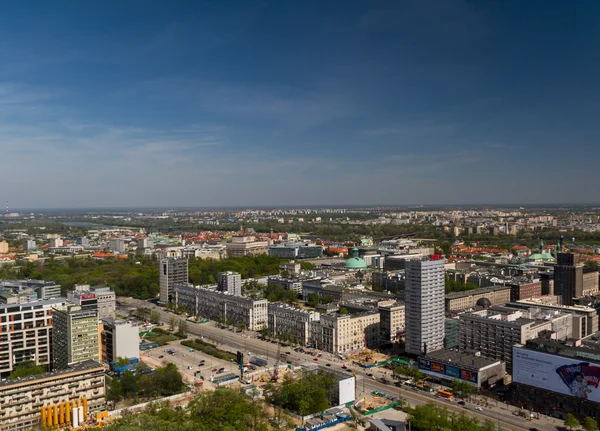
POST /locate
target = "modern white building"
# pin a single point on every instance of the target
(120, 338)
(230, 282)
(171, 272)
(424, 305)
(222, 307)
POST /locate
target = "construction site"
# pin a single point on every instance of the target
(366, 358)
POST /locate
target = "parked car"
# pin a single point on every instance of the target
(461, 403)
(161, 356)
(328, 365)
(316, 359)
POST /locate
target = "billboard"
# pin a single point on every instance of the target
(448, 370)
(568, 376)
(346, 388)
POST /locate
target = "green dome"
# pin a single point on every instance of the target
(540, 256)
(355, 262)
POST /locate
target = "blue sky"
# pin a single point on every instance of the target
(298, 102)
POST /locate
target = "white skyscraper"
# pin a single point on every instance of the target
(424, 305)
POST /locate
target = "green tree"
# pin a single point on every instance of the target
(154, 317)
(114, 391)
(591, 263)
(313, 299)
(172, 323)
(129, 384)
(590, 424)
(26, 369)
(121, 361)
(182, 328)
(344, 310)
(571, 422)
(462, 389)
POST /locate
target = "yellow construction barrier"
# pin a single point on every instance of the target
(85, 408)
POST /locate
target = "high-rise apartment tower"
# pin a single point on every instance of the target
(424, 305)
(171, 272)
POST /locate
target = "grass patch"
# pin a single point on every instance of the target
(209, 349)
(160, 338)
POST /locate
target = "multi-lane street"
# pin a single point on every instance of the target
(249, 344)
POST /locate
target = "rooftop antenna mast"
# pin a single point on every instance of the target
(6, 207)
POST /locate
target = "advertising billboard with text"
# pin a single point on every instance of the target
(568, 376)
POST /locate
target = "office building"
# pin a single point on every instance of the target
(120, 339)
(29, 244)
(290, 269)
(524, 289)
(50, 399)
(342, 333)
(3, 247)
(56, 242)
(171, 272)
(568, 277)
(230, 282)
(449, 365)
(37, 289)
(246, 245)
(100, 298)
(145, 243)
(545, 378)
(75, 335)
(291, 324)
(494, 331)
(585, 319)
(484, 296)
(424, 305)
(83, 241)
(238, 311)
(451, 331)
(116, 245)
(392, 322)
(26, 334)
(293, 284)
(296, 251)
(590, 281)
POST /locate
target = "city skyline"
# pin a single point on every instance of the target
(239, 104)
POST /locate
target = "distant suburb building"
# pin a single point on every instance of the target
(22, 400)
(223, 307)
(296, 250)
(230, 282)
(75, 336)
(171, 272)
(246, 245)
(458, 301)
(26, 334)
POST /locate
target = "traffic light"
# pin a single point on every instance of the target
(240, 358)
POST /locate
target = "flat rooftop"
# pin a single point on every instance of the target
(87, 365)
(460, 358)
(480, 291)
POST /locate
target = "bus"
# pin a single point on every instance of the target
(445, 394)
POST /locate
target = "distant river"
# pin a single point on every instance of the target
(86, 224)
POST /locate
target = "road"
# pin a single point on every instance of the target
(250, 345)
